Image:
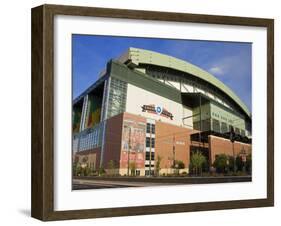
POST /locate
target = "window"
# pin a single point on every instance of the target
(152, 128)
(196, 125)
(206, 125)
(224, 127)
(148, 126)
(216, 125)
(147, 142)
(147, 155)
(117, 97)
(147, 165)
(152, 142)
(152, 155)
(237, 130)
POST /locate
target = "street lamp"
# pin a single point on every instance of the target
(150, 141)
(244, 158)
(129, 147)
(232, 139)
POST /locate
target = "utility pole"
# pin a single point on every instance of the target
(232, 139)
(150, 140)
(200, 119)
(128, 168)
(174, 154)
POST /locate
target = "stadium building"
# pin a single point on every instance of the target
(148, 110)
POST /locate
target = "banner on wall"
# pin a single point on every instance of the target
(133, 143)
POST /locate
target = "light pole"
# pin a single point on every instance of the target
(244, 159)
(129, 147)
(174, 154)
(232, 139)
(150, 141)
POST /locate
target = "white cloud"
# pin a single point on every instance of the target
(216, 70)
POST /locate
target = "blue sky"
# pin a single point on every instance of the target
(230, 62)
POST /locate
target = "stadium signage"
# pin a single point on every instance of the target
(155, 109)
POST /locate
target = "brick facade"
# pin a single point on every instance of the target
(224, 146)
(113, 141)
(118, 147)
(167, 136)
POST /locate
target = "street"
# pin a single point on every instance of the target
(123, 182)
(79, 184)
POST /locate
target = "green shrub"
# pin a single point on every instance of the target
(221, 163)
(197, 161)
(101, 171)
(249, 164)
(239, 163)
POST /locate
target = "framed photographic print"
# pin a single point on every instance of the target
(141, 112)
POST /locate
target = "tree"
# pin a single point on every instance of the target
(133, 168)
(197, 161)
(75, 166)
(158, 161)
(221, 163)
(249, 164)
(77, 169)
(111, 167)
(101, 171)
(239, 163)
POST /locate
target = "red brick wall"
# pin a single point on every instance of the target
(113, 137)
(224, 146)
(164, 144)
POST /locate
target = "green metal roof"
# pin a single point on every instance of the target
(142, 56)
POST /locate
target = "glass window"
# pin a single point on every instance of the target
(152, 155)
(237, 130)
(152, 128)
(224, 127)
(196, 125)
(216, 125)
(206, 125)
(148, 142)
(148, 126)
(147, 165)
(117, 97)
(152, 142)
(147, 155)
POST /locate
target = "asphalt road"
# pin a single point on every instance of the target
(99, 183)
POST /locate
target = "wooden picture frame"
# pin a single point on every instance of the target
(43, 112)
